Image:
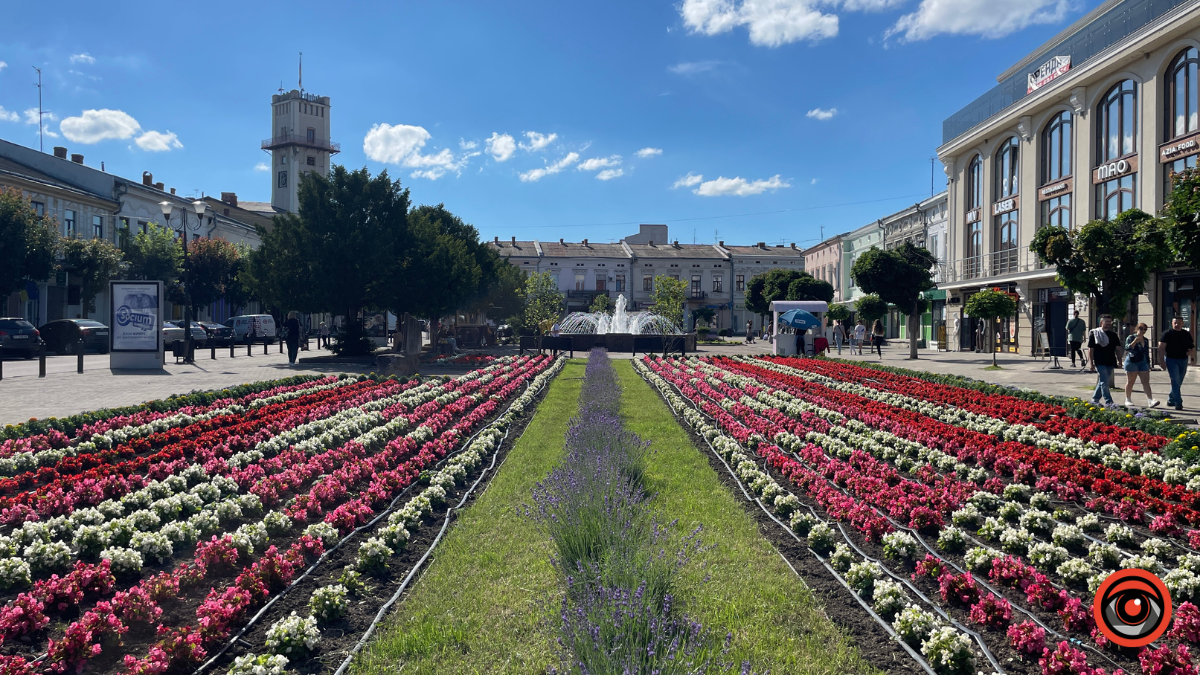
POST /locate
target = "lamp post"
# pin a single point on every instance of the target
(199, 207)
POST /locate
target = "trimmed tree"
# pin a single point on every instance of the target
(28, 243)
(703, 315)
(898, 277)
(668, 298)
(1110, 260)
(990, 306)
(838, 312)
(543, 302)
(871, 307)
(1181, 217)
(95, 262)
(778, 284)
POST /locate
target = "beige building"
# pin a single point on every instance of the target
(1089, 125)
(300, 143)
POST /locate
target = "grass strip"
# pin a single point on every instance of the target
(477, 609)
(776, 622)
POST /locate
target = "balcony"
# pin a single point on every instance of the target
(992, 267)
(285, 140)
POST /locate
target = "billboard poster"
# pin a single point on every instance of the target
(136, 325)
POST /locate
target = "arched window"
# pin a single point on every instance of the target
(1116, 138)
(1056, 166)
(1004, 225)
(1182, 109)
(973, 255)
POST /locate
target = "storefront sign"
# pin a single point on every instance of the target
(1049, 72)
(973, 216)
(1006, 205)
(1179, 148)
(136, 325)
(1058, 187)
(1121, 167)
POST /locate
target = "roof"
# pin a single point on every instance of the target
(784, 251)
(259, 207)
(554, 249)
(18, 170)
(835, 239)
(676, 251)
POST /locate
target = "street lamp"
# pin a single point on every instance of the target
(199, 207)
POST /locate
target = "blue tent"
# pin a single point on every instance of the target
(799, 319)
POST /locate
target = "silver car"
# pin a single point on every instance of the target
(173, 332)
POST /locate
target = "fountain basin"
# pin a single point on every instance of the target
(613, 342)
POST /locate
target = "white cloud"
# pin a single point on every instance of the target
(3, 65)
(500, 146)
(262, 166)
(9, 115)
(83, 58)
(466, 145)
(870, 5)
(649, 152)
(535, 175)
(822, 115)
(94, 126)
(688, 180)
(156, 141)
(599, 163)
(693, 67)
(401, 145)
(740, 187)
(31, 116)
(986, 18)
(609, 174)
(537, 141)
(771, 23)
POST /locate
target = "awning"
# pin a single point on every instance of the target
(934, 294)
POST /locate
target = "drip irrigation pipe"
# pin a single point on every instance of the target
(351, 535)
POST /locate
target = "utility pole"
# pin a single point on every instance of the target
(41, 146)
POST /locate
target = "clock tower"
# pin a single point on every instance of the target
(299, 143)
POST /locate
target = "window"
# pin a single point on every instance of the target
(647, 283)
(282, 179)
(1116, 138)
(1056, 166)
(311, 161)
(97, 227)
(739, 283)
(1181, 107)
(620, 288)
(282, 160)
(697, 292)
(143, 226)
(1005, 224)
(39, 208)
(69, 223)
(975, 183)
(600, 283)
(124, 224)
(933, 247)
(718, 283)
(974, 236)
(579, 280)
(1007, 168)
(312, 135)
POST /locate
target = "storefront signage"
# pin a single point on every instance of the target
(1049, 72)
(1121, 167)
(973, 216)
(1058, 187)
(1006, 205)
(1178, 148)
(136, 325)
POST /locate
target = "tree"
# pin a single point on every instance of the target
(238, 288)
(213, 266)
(95, 262)
(871, 307)
(668, 298)
(543, 301)
(28, 243)
(601, 303)
(1110, 260)
(154, 255)
(898, 277)
(704, 315)
(1181, 216)
(808, 287)
(778, 284)
(990, 305)
(838, 312)
(449, 268)
(503, 301)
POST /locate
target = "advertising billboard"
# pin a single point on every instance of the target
(136, 323)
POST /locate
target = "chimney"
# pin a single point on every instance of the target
(793, 245)
(675, 243)
(761, 244)
(585, 242)
(229, 198)
(721, 243)
(159, 186)
(60, 152)
(172, 190)
(77, 158)
(147, 178)
(514, 241)
(561, 241)
(497, 240)
(651, 242)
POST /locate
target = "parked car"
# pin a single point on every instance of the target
(63, 336)
(173, 332)
(18, 336)
(221, 336)
(263, 325)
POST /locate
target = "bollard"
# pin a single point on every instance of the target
(231, 348)
(214, 351)
(264, 347)
(1, 368)
(79, 359)
(281, 346)
(249, 346)
(42, 360)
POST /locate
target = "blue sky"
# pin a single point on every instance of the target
(757, 120)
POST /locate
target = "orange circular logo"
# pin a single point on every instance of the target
(1132, 608)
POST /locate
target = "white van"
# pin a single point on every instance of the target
(263, 325)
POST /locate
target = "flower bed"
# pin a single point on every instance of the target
(142, 546)
(977, 527)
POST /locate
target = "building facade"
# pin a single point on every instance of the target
(300, 142)
(824, 261)
(854, 244)
(1091, 124)
(747, 262)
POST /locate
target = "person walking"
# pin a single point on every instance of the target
(877, 336)
(1076, 328)
(1175, 345)
(291, 328)
(1137, 365)
(860, 336)
(839, 336)
(323, 336)
(1103, 345)
(749, 331)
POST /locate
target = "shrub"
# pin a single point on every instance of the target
(152, 545)
(1157, 548)
(820, 538)
(802, 523)
(1076, 571)
(327, 533)
(1064, 660)
(862, 576)
(1183, 584)
(328, 603)
(949, 652)
(1047, 557)
(958, 588)
(991, 611)
(1015, 541)
(1142, 562)
(395, 536)
(293, 635)
(48, 556)
(1069, 536)
(353, 581)
(277, 523)
(1105, 556)
(1119, 534)
(979, 559)
(14, 573)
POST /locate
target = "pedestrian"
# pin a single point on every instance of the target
(1175, 345)
(749, 331)
(801, 342)
(980, 334)
(1103, 345)
(291, 329)
(860, 336)
(1076, 327)
(839, 335)
(877, 336)
(323, 336)
(1137, 365)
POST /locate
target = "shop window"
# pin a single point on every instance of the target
(1182, 109)
(1056, 166)
(1116, 138)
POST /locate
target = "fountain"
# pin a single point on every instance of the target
(616, 332)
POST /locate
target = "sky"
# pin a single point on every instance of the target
(738, 120)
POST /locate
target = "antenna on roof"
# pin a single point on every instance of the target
(301, 72)
(41, 112)
(281, 86)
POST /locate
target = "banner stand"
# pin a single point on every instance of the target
(136, 339)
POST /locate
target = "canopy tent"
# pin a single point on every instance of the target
(817, 307)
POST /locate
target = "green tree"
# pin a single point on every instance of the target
(871, 307)
(777, 284)
(449, 268)
(1181, 216)
(704, 315)
(601, 303)
(990, 306)
(668, 298)
(238, 287)
(543, 301)
(213, 265)
(154, 255)
(28, 243)
(503, 301)
(756, 299)
(1111, 260)
(898, 277)
(94, 262)
(838, 312)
